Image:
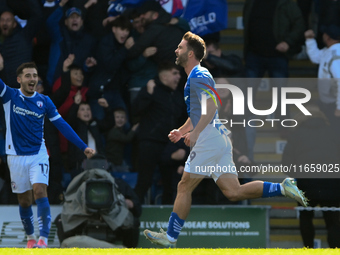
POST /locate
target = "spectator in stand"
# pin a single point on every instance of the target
(172, 167)
(40, 86)
(116, 140)
(3, 6)
(322, 149)
(95, 12)
(80, 119)
(325, 12)
(159, 107)
(221, 65)
(66, 39)
(328, 59)
(72, 78)
(72, 83)
(16, 42)
(143, 68)
(110, 74)
(329, 13)
(273, 31)
(161, 31)
(283, 30)
(42, 41)
(306, 7)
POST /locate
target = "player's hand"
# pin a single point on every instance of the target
(337, 113)
(190, 139)
(186, 139)
(309, 34)
(89, 152)
(175, 135)
(282, 47)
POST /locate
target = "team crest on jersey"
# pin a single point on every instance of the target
(40, 104)
(14, 186)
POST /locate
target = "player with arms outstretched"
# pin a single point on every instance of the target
(26, 152)
(211, 147)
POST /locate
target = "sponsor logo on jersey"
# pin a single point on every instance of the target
(24, 112)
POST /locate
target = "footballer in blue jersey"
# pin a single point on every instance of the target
(210, 147)
(27, 157)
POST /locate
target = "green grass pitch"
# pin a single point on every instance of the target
(78, 251)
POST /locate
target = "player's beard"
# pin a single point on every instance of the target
(182, 59)
(25, 88)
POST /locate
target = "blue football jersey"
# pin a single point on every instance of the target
(195, 87)
(25, 120)
(200, 82)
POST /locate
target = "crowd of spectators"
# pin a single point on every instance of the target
(96, 69)
(114, 81)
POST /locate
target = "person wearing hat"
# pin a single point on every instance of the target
(66, 39)
(328, 59)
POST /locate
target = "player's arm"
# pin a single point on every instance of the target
(202, 123)
(72, 136)
(5, 92)
(187, 127)
(176, 134)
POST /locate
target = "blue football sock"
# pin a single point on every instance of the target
(44, 216)
(271, 189)
(175, 226)
(26, 215)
